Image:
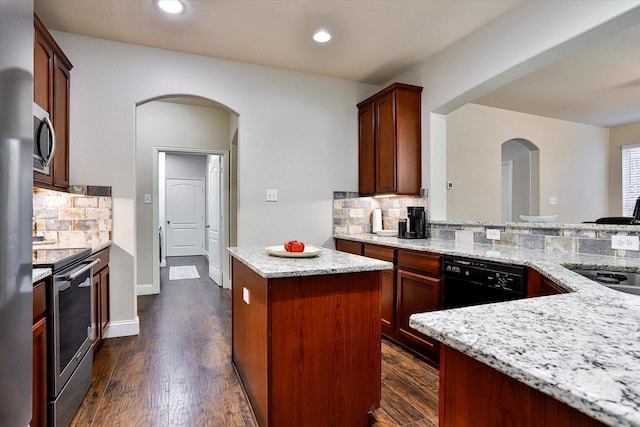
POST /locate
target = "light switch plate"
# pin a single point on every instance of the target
(245, 295)
(493, 234)
(629, 243)
(147, 198)
(272, 195)
(553, 200)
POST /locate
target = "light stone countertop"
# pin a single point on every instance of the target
(328, 261)
(39, 274)
(582, 347)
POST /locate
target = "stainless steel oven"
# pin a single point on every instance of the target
(71, 333)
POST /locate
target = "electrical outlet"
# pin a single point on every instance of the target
(493, 234)
(553, 200)
(245, 295)
(630, 243)
(272, 195)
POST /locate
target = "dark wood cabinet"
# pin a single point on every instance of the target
(387, 286)
(39, 332)
(539, 285)
(349, 246)
(308, 348)
(475, 394)
(51, 91)
(101, 306)
(389, 141)
(413, 286)
(417, 293)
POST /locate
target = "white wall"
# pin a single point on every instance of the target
(619, 136)
(524, 39)
(573, 164)
(296, 133)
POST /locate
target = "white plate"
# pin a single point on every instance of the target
(387, 232)
(531, 218)
(279, 250)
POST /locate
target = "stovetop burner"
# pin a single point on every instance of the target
(57, 259)
(627, 282)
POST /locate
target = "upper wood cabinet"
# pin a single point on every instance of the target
(390, 141)
(51, 81)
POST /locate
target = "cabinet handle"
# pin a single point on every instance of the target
(53, 141)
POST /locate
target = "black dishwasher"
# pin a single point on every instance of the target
(472, 282)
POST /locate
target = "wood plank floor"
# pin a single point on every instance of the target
(178, 372)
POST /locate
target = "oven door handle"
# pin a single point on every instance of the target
(82, 270)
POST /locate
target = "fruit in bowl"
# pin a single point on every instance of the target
(293, 246)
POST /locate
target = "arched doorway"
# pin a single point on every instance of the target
(178, 125)
(520, 179)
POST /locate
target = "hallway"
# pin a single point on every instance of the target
(177, 371)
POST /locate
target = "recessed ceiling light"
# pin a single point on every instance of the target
(170, 6)
(322, 36)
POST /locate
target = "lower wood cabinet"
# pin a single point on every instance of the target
(101, 305)
(475, 394)
(417, 293)
(538, 285)
(39, 332)
(413, 286)
(307, 349)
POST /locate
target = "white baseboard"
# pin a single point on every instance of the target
(123, 328)
(145, 289)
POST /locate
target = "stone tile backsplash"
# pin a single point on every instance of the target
(352, 214)
(72, 220)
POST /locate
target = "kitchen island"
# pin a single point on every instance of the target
(306, 336)
(580, 349)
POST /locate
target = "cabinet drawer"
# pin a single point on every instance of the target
(349, 246)
(422, 262)
(39, 301)
(380, 252)
(104, 259)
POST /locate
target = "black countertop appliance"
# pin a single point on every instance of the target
(415, 222)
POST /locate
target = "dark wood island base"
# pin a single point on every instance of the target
(307, 349)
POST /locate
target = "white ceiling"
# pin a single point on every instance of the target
(373, 41)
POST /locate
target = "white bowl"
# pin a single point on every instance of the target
(538, 218)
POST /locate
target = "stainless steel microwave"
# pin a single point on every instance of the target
(44, 140)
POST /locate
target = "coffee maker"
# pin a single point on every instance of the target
(415, 223)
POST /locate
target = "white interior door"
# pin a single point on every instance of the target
(507, 191)
(214, 220)
(185, 217)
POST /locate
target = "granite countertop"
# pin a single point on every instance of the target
(328, 261)
(39, 274)
(582, 347)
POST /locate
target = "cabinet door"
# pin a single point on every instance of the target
(417, 294)
(104, 301)
(39, 416)
(388, 286)
(539, 285)
(42, 86)
(60, 120)
(385, 144)
(366, 147)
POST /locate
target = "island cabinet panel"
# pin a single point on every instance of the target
(475, 394)
(539, 285)
(308, 349)
(249, 336)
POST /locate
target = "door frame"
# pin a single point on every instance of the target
(224, 181)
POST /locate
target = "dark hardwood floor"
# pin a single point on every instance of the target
(178, 372)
